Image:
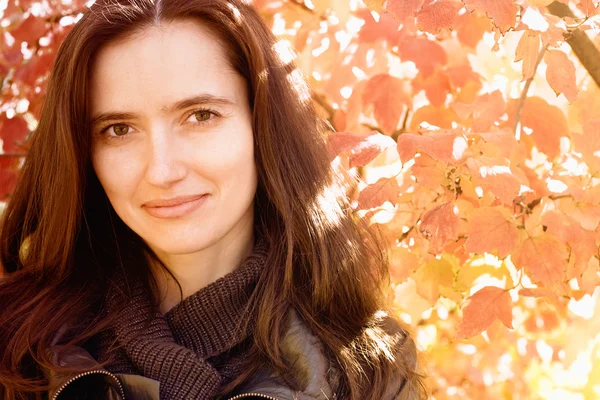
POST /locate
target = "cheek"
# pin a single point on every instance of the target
(116, 171)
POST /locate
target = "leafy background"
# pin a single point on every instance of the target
(473, 131)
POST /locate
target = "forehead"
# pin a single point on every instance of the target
(159, 65)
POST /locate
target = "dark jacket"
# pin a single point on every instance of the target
(317, 374)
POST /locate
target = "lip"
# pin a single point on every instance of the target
(175, 207)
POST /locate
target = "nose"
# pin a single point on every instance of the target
(165, 166)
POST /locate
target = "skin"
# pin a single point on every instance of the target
(159, 154)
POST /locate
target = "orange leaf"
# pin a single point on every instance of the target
(402, 262)
(483, 308)
(447, 147)
(561, 74)
(439, 225)
(527, 51)
(436, 16)
(588, 144)
(442, 117)
(493, 175)
(374, 195)
(489, 230)
(436, 86)
(502, 12)
(545, 257)
(428, 172)
(389, 96)
(430, 276)
(403, 9)
(484, 111)
(540, 292)
(425, 53)
(547, 123)
(362, 149)
(470, 28)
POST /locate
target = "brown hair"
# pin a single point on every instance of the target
(62, 244)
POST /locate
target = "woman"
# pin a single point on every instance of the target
(178, 232)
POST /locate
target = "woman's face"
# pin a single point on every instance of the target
(172, 138)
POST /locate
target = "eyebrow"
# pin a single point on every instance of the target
(204, 98)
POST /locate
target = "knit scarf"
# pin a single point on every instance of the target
(176, 349)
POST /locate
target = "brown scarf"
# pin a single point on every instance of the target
(197, 346)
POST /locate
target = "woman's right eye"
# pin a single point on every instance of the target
(116, 130)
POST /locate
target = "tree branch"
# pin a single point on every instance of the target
(526, 89)
(583, 47)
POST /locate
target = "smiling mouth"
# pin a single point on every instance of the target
(174, 208)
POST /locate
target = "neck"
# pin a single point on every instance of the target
(197, 270)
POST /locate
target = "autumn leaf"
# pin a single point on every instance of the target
(470, 28)
(436, 16)
(436, 87)
(528, 50)
(491, 231)
(560, 74)
(426, 54)
(483, 308)
(502, 12)
(374, 195)
(439, 225)
(484, 111)
(446, 147)
(390, 97)
(441, 117)
(362, 149)
(544, 256)
(13, 132)
(403, 9)
(402, 263)
(431, 276)
(30, 30)
(547, 123)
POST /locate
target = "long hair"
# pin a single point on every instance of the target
(62, 244)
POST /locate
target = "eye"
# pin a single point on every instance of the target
(120, 129)
(202, 116)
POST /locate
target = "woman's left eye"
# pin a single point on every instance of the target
(202, 115)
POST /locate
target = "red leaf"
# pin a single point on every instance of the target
(502, 12)
(490, 230)
(545, 257)
(385, 189)
(8, 176)
(402, 9)
(527, 51)
(12, 132)
(30, 30)
(437, 16)
(425, 53)
(492, 174)
(483, 308)
(390, 97)
(362, 148)
(560, 74)
(440, 226)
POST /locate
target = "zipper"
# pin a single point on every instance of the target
(264, 396)
(98, 371)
